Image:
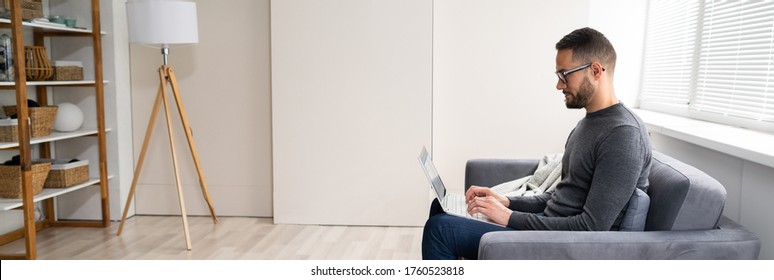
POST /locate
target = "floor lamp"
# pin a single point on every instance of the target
(164, 23)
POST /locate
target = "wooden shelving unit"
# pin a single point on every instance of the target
(51, 83)
(48, 27)
(54, 136)
(10, 204)
(41, 31)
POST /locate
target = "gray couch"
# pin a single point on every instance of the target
(684, 220)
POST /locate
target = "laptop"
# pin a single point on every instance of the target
(453, 204)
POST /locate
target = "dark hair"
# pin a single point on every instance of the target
(588, 45)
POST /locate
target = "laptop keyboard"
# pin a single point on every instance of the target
(457, 205)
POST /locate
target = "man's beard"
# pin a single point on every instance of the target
(582, 97)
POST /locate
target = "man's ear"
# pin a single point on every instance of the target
(597, 69)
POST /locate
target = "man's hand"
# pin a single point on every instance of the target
(483, 200)
(476, 191)
(489, 206)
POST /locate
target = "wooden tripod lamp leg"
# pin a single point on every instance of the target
(138, 169)
(162, 76)
(166, 74)
(189, 136)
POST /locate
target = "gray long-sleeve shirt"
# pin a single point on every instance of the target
(606, 156)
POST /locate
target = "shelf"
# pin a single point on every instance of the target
(53, 83)
(47, 27)
(55, 136)
(93, 37)
(10, 203)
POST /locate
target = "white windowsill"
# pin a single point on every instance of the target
(743, 143)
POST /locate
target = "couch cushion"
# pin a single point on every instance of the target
(682, 197)
(636, 212)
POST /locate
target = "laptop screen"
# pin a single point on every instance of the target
(432, 174)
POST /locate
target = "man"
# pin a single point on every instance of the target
(606, 157)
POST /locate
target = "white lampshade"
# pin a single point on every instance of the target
(162, 22)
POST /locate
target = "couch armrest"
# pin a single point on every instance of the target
(491, 172)
(728, 241)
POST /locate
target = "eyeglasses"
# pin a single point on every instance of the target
(563, 74)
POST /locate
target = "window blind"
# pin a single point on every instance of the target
(670, 50)
(735, 75)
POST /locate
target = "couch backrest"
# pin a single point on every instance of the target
(682, 197)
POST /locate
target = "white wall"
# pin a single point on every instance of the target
(225, 86)
(492, 79)
(492, 74)
(119, 68)
(351, 89)
(623, 23)
(494, 92)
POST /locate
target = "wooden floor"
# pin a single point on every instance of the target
(161, 237)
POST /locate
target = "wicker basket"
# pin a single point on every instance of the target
(10, 179)
(64, 174)
(9, 133)
(31, 9)
(9, 130)
(68, 73)
(41, 118)
(37, 64)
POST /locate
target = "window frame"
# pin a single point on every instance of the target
(689, 110)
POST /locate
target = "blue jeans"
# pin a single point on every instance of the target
(448, 237)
